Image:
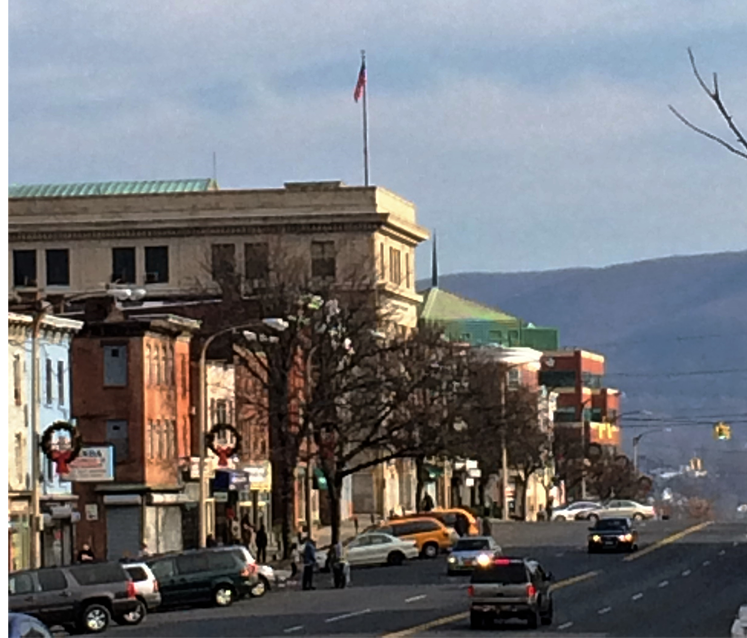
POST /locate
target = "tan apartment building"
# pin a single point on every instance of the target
(174, 238)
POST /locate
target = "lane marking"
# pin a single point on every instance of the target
(663, 583)
(352, 614)
(687, 572)
(438, 622)
(722, 552)
(290, 630)
(565, 625)
(412, 599)
(604, 610)
(638, 596)
(706, 563)
(666, 541)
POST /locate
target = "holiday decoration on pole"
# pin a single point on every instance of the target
(61, 444)
(225, 441)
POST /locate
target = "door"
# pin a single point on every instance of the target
(55, 597)
(193, 580)
(359, 550)
(22, 594)
(379, 549)
(123, 531)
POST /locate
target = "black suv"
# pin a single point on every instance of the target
(511, 588)
(79, 597)
(202, 576)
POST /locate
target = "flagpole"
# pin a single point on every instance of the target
(365, 120)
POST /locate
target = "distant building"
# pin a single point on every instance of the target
(57, 502)
(132, 391)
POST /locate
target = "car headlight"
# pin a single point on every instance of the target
(596, 538)
(451, 559)
(626, 537)
(483, 560)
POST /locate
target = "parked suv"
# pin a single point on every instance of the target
(202, 576)
(430, 535)
(511, 588)
(146, 591)
(265, 573)
(81, 597)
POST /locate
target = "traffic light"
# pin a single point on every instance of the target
(721, 431)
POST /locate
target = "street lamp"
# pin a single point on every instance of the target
(637, 440)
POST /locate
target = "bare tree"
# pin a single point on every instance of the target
(714, 93)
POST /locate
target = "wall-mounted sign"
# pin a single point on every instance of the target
(94, 464)
(92, 512)
(260, 476)
(220, 497)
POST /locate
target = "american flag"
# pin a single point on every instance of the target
(361, 84)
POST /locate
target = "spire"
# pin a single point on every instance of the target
(434, 263)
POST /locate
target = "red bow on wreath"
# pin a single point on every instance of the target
(61, 460)
(223, 454)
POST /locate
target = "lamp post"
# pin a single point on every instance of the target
(637, 439)
(202, 420)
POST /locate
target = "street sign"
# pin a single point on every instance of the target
(95, 464)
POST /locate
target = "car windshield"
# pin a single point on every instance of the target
(611, 524)
(471, 544)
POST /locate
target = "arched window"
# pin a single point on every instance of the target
(159, 365)
(149, 363)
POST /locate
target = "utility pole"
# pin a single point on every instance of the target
(36, 518)
(504, 450)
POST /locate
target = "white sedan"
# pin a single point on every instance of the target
(374, 549)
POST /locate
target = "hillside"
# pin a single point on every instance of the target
(674, 330)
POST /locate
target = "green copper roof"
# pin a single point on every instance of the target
(445, 306)
(92, 189)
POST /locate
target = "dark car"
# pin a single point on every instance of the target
(23, 626)
(510, 588)
(202, 576)
(82, 597)
(612, 534)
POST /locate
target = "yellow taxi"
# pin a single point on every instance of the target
(431, 536)
(449, 517)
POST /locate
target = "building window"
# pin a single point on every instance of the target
(48, 381)
(58, 267)
(256, 264)
(156, 264)
(17, 396)
(159, 365)
(172, 438)
(123, 266)
(117, 434)
(115, 365)
(212, 412)
(18, 458)
(24, 268)
(151, 439)
(323, 260)
(382, 260)
(221, 411)
(185, 379)
(514, 377)
(61, 382)
(395, 272)
(558, 378)
(495, 336)
(513, 337)
(170, 367)
(407, 269)
(149, 363)
(223, 261)
(159, 440)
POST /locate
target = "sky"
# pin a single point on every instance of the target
(531, 135)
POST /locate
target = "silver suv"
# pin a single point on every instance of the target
(146, 592)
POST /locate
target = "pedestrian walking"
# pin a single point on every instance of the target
(428, 503)
(86, 555)
(295, 558)
(340, 567)
(461, 525)
(247, 531)
(309, 563)
(548, 508)
(355, 522)
(261, 543)
(144, 551)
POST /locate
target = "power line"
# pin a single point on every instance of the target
(676, 374)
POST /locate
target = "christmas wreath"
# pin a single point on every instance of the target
(218, 432)
(61, 458)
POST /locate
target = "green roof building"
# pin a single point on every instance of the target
(470, 322)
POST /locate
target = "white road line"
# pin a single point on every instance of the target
(290, 630)
(722, 552)
(706, 563)
(565, 625)
(350, 615)
(638, 596)
(412, 599)
(558, 555)
(663, 583)
(687, 572)
(604, 610)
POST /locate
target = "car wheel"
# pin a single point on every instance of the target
(430, 550)
(476, 620)
(134, 617)
(395, 558)
(560, 518)
(223, 596)
(260, 588)
(95, 619)
(593, 517)
(547, 617)
(638, 517)
(534, 620)
(592, 549)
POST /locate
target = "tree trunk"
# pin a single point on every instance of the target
(334, 491)
(420, 484)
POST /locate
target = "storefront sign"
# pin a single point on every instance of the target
(260, 476)
(220, 497)
(94, 464)
(92, 512)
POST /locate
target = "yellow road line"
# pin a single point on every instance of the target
(667, 541)
(411, 631)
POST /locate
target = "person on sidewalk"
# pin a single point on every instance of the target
(309, 564)
(340, 566)
(86, 555)
(295, 558)
(261, 543)
(487, 527)
(247, 531)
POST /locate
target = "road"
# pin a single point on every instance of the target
(686, 580)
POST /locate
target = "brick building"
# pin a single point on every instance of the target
(132, 391)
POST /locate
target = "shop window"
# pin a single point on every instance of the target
(58, 267)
